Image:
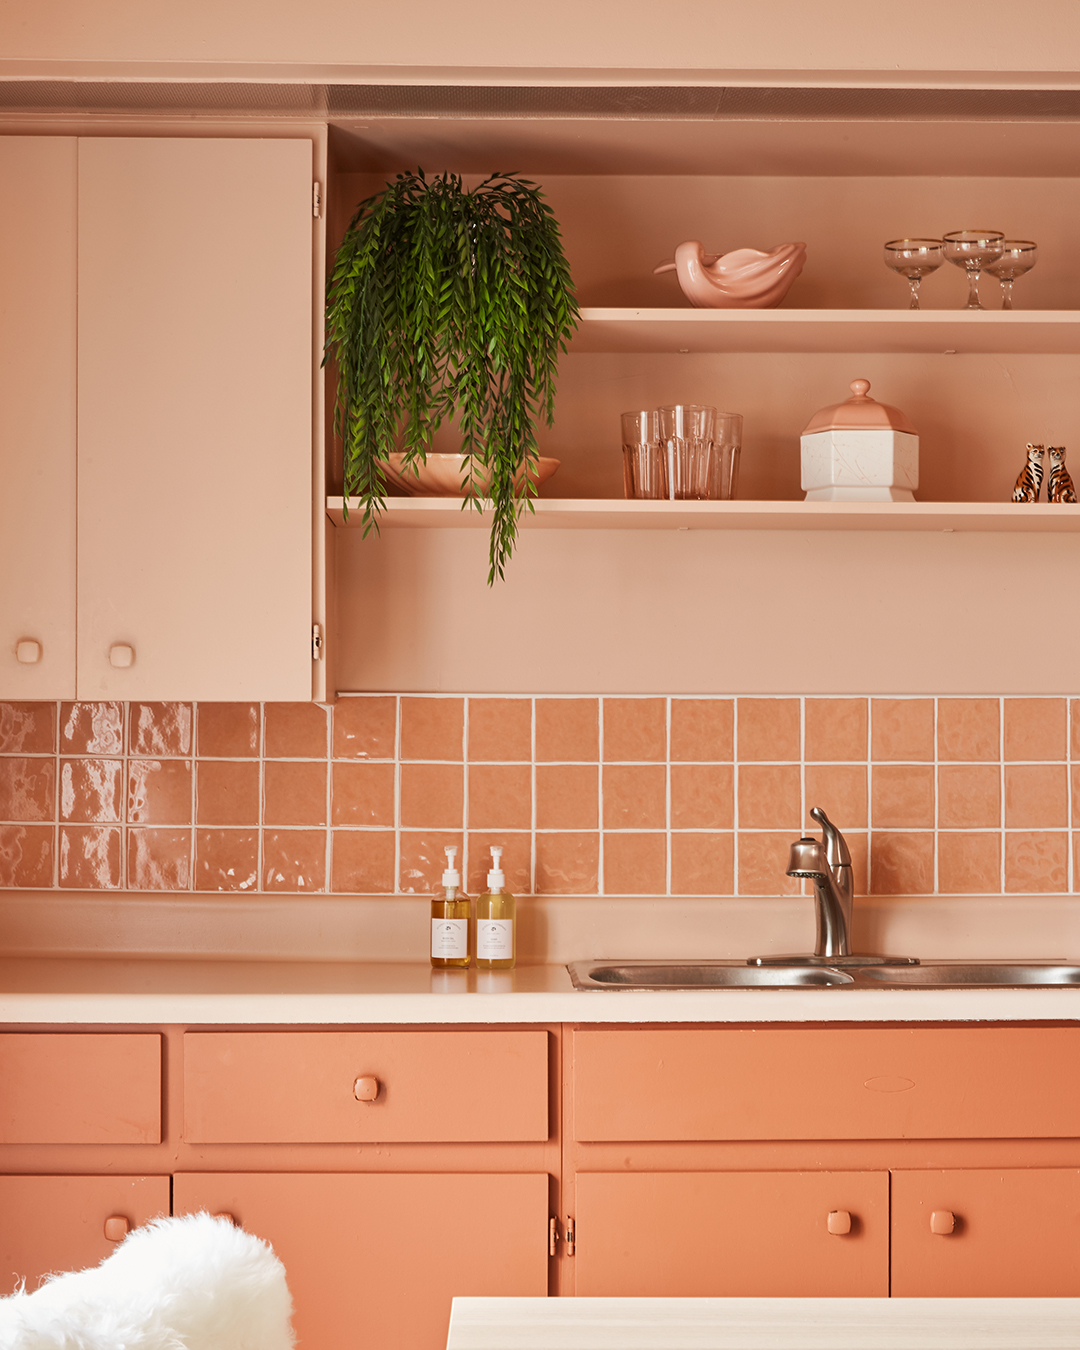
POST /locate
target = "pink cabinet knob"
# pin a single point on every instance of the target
(942, 1221)
(229, 1218)
(121, 656)
(366, 1089)
(28, 652)
(838, 1222)
(116, 1228)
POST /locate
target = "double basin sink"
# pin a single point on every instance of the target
(740, 975)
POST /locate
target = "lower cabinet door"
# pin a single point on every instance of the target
(374, 1260)
(50, 1224)
(985, 1234)
(732, 1234)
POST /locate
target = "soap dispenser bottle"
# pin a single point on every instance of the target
(450, 920)
(496, 920)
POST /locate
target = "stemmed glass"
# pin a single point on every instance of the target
(973, 250)
(914, 259)
(1018, 256)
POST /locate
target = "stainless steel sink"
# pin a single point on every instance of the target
(739, 975)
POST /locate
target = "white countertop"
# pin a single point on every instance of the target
(764, 1324)
(151, 991)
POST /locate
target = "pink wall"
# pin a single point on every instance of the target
(589, 795)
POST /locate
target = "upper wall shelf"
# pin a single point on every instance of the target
(554, 513)
(1042, 331)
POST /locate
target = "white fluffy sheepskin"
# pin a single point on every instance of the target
(193, 1283)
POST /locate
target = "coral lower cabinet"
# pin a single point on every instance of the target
(393, 1169)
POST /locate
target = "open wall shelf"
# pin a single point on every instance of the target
(567, 514)
(1044, 331)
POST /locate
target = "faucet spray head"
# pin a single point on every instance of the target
(807, 859)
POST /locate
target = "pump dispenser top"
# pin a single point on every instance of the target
(451, 878)
(496, 878)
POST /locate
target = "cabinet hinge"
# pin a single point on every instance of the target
(316, 200)
(316, 641)
(569, 1235)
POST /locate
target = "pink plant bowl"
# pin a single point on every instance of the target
(441, 475)
(744, 279)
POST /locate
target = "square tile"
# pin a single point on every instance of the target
(362, 793)
(768, 729)
(702, 797)
(702, 729)
(635, 864)
(92, 790)
(1035, 728)
(90, 857)
(226, 792)
(969, 729)
(92, 728)
(902, 796)
(1036, 862)
(840, 791)
(27, 789)
(567, 797)
(363, 862)
(160, 729)
(423, 860)
(516, 860)
(635, 796)
(769, 796)
(296, 731)
(969, 864)
(1036, 796)
(762, 865)
(969, 796)
(1074, 724)
(159, 859)
(702, 864)
(26, 855)
(500, 729)
(902, 729)
(901, 864)
(28, 728)
(635, 729)
(159, 792)
(432, 728)
(295, 860)
(500, 796)
(294, 792)
(432, 796)
(365, 727)
(567, 864)
(226, 860)
(567, 730)
(836, 729)
(228, 730)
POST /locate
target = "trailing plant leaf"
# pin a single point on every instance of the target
(444, 302)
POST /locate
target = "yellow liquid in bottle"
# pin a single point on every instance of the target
(451, 948)
(496, 931)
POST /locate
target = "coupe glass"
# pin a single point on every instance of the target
(1018, 256)
(914, 259)
(973, 250)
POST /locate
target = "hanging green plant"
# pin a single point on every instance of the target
(444, 302)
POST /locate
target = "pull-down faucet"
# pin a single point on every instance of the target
(827, 864)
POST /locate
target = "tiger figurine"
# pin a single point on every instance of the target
(1059, 487)
(1030, 480)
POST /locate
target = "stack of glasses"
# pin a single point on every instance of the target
(682, 453)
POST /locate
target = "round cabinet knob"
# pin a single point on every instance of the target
(229, 1218)
(121, 656)
(366, 1089)
(116, 1228)
(28, 652)
(942, 1221)
(838, 1222)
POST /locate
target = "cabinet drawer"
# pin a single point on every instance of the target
(80, 1089)
(302, 1087)
(919, 1083)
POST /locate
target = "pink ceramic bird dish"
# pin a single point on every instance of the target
(743, 279)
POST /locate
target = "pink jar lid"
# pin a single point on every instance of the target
(860, 412)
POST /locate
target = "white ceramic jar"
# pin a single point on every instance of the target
(860, 451)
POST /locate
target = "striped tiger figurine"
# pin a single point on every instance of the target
(1030, 480)
(1059, 487)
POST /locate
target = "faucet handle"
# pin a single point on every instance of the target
(836, 849)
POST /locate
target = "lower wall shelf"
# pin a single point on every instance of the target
(615, 514)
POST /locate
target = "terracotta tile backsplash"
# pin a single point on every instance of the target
(587, 795)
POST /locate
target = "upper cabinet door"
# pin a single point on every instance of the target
(37, 416)
(195, 419)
